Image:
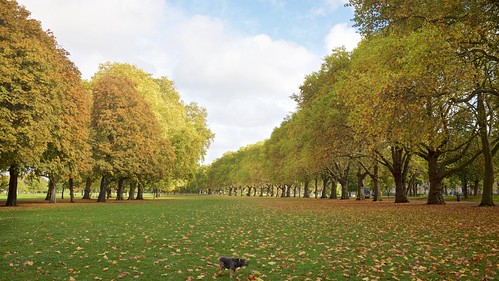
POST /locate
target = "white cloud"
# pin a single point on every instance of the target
(225, 62)
(342, 35)
(95, 31)
(243, 80)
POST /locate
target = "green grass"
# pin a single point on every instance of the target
(181, 238)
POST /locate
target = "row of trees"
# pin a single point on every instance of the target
(123, 125)
(419, 93)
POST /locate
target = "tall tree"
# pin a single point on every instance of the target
(128, 141)
(470, 28)
(329, 142)
(68, 152)
(30, 91)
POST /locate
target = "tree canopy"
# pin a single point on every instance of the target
(122, 125)
(420, 86)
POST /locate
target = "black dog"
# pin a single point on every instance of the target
(231, 264)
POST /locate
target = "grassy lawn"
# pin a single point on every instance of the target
(181, 238)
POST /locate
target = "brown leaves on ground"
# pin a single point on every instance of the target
(330, 239)
(282, 238)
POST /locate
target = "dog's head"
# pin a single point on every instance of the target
(243, 262)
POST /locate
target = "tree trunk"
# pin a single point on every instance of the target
(400, 196)
(316, 189)
(306, 192)
(399, 172)
(488, 163)
(376, 184)
(52, 190)
(140, 191)
(464, 182)
(71, 191)
(109, 192)
(131, 192)
(325, 181)
(288, 192)
(103, 189)
(475, 187)
(334, 185)
(344, 190)
(88, 188)
(435, 194)
(119, 191)
(360, 184)
(12, 196)
(47, 195)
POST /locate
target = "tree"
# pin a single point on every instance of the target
(128, 141)
(68, 152)
(221, 172)
(185, 126)
(470, 29)
(30, 91)
(403, 87)
(328, 138)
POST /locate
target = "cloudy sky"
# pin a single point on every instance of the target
(240, 59)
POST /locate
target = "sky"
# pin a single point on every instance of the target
(240, 59)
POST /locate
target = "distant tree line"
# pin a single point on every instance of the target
(416, 100)
(122, 127)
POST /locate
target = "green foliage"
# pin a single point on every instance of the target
(421, 83)
(30, 96)
(44, 109)
(128, 141)
(4, 182)
(184, 126)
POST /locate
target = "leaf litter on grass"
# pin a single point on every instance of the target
(284, 239)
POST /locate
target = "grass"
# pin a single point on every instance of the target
(181, 237)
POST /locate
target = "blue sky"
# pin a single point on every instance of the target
(305, 22)
(240, 59)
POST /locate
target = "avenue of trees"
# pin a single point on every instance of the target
(122, 127)
(415, 102)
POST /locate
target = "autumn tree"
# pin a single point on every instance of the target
(184, 125)
(37, 83)
(469, 31)
(127, 139)
(199, 182)
(68, 152)
(330, 144)
(283, 151)
(221, 174)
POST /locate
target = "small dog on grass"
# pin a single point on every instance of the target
(231, 263)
